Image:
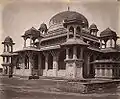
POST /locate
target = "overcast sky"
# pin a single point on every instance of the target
(19, 15)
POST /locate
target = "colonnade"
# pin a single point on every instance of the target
(106, 71)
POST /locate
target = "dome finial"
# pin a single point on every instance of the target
(68, 2)
(68, 8)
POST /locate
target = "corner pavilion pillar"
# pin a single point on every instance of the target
(74, 66)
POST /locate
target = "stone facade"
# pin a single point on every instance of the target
(69, 48)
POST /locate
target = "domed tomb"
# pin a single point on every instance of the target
(66, 16)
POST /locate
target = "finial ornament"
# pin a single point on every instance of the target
(68, 2)
(68, 8)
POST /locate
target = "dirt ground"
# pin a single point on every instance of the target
(16, 88)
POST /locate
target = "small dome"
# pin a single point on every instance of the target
(43, 27)
(8, 39)
(93, 26)
(31, 31)
(108, 32)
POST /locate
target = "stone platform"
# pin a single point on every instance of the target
(88, 85)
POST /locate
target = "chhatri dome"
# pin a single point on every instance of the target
(8, 39)
(66, 16)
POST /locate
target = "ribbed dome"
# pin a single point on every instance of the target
(8, 40)
(67, 15)
(108, 32)
(93, 26)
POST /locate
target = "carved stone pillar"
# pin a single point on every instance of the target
(74, 32)
(74, 52)
(110, 42)
(67, 33)
(30, 41)
(46, 62)
(100, 43)
(106, 70)
(24, 42)
(30, 55)
(100, 71)
(67, 53)
(39, 64)
(4, 48)
(55, 55)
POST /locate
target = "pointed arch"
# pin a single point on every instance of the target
(78, 30)
(71, 29)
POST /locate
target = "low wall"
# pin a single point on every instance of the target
(86, 87)
(22, 72)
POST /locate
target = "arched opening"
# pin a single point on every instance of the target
(50, 61)
(42, 62)
(71, 30)
(61, 63)
(8, 48)
(18, 62)
(78, 30)
(26, 62)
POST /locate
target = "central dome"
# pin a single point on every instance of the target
(67, 15)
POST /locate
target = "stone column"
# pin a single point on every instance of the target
(100, 71)
(30, 41)
(46, 62)
(4, 48)
(8, 71)
(24, 42)
(96, 72)
(100, 43)
(74, 52)
(105, 44)
(30, 55)
(81, 53)
(110, 42)
(55, 65)
(55, 55)
(67, 53)
(39, 63)
(88, 67)
(74, 32)
(30, 65)
(106, 70)
(67, 33)
(23, 65)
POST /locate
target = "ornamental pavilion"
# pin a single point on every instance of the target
(68, 48)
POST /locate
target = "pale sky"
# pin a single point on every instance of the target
(16, 16)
